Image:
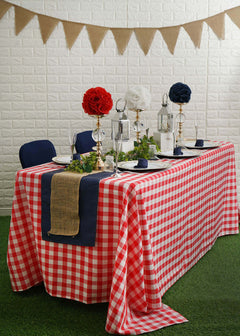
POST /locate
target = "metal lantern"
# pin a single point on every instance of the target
(120, 123)
(165, 119)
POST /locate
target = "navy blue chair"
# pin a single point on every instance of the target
(84, 142)
(36, 152)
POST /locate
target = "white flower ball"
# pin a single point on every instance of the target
(138, 98)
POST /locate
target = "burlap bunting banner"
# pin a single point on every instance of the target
(96, 35)
(170, 35)
(145, 37)
(122, 36)
(217, 23)
(4, 7)
(47, 25)
(194, 30)
(71, 30)
(22, 18)
(234, 14)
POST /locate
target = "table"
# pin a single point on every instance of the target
(151, 229)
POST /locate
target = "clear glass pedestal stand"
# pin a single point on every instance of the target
(98, 135)
(180, 119)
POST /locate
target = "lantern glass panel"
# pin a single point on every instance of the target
(165, 120)
(121, 126)
(163, 127)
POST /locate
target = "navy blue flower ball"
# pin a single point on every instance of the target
(180, 93)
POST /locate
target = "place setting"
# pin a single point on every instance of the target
(144, 152)
(178, 151)
(200, 143)
(143, 165)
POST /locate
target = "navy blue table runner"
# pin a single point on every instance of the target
(88, 204)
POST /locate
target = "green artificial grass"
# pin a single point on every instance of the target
(208, 296)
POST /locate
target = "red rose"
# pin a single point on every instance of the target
(97, 101)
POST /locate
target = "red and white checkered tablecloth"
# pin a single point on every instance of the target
(151, 229)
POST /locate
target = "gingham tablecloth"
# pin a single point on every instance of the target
(151, 229)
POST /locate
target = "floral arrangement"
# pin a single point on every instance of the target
(97, 101)
(180, 93)
(138, 98)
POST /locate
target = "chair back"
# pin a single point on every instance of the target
(36, 152)
(84, 142)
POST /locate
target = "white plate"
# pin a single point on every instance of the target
(62, 159)
(129, 165)
(206, 145)
(170, 155)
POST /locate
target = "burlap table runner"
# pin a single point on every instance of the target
(64, 203)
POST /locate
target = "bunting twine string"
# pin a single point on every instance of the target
(121, 36)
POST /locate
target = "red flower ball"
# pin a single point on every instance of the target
(97, 101)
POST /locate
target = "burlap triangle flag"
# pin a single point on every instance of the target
(47, 25)
(72, 30)
(96, 35)
(234, 15)
(194, 30)
(145, 37)
(4, 7)
(170, 36)
(122, 37)
(22, 17)
(217, 23)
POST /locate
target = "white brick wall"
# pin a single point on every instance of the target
(41, 86)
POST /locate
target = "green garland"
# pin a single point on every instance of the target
(88, 162)
(141, 150)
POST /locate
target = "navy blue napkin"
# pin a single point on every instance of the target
(177, 151)
(88, 204)
(199, 143)
(76, 156)
(142, 163)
